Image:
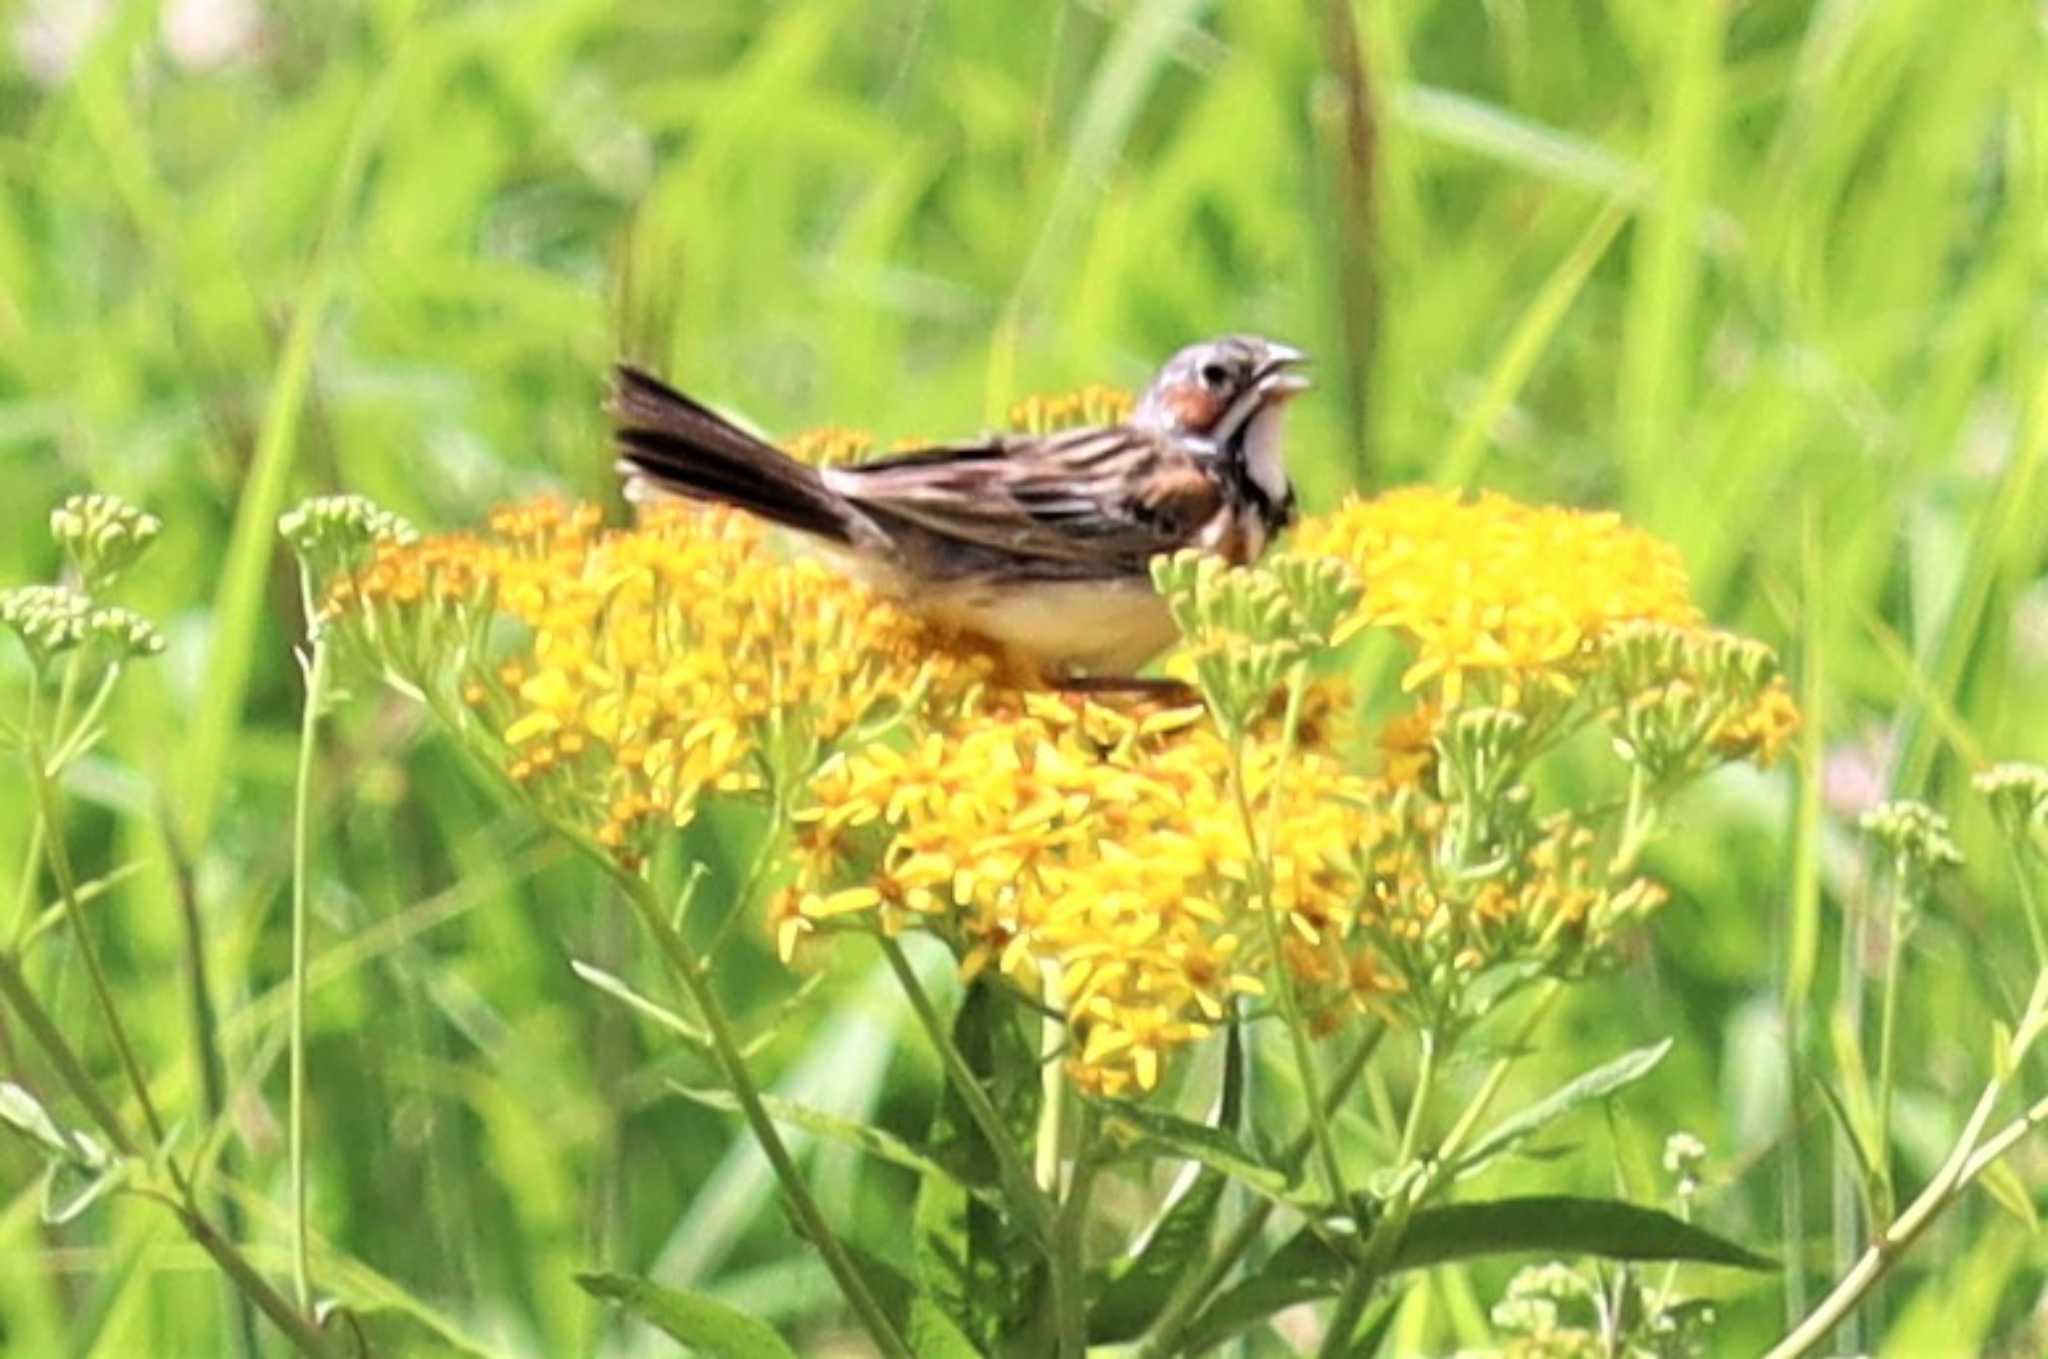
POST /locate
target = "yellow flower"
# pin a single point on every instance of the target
(1491, 589)
(657, 662)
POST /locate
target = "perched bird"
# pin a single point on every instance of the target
(1038, 543)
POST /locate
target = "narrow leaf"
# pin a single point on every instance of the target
(1598, 1083)
(832, 1127)
(617, 989)
(1305, 1269)
(58, 1208)
(1133, 1290)
(1129, 1295)
(2003, 1064)
(714, 1329)
(25, 1114)
(1153, 1132)
(1562, 1224)
(1866, 1173)
(2010, 1192)
(971, 1260)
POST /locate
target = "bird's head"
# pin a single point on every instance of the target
(1231, 392)
(1212, 390)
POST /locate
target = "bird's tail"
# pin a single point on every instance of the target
(677, 445)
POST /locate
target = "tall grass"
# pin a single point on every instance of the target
(1765, 277)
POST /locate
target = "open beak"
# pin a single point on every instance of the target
(1278, 375)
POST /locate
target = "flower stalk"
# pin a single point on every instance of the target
(687, 969)
(1034, 1204)
(1971, 1154)
(315, 666)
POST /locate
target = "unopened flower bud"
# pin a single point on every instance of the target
(103, 535)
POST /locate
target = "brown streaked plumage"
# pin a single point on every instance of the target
(1042, 544)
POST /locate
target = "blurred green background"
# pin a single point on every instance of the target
(1765, 277)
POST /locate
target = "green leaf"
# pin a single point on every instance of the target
(1128, 1296)
(932, 1334)
(1563, 1224)
(1302, 1270)
(1598, 1083)
(1857, 1106)
(885, 1146)
(1153, 1132)
(718, 1331)
(2003, 1064)
(617, 989)
(62, 1204)
(1305, 1268)
(1866, 1173)
(970, 1259)
(2010, 1192)
(25, 1113)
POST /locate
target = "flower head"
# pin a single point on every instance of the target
(1916, 836)
(103, 535)
(49, 619)
(647, 665)
(1494, 592)
(2018, 794)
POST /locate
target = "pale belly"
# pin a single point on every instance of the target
(1101, 627)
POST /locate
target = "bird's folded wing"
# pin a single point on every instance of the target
(1107, 496)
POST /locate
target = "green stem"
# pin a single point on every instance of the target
(2030, 903)
(67, 694)
(765, 854)
(1069, 1269)
(1638, 824)
(302, 804)
(1967, 1159)
(1053, 1089)
(1018, 1182)
(59, 853)
(1392, 1225)
(304, 1335)
(1290, 1001)
(1468, 1118)
(1887, 1027)
(25, 899)
(14, 986)
(685, 967)
(213, 1080)
(1197, 1289)
(1351, 1304)
(71, 745)
(38, 833)
(1425, 1084)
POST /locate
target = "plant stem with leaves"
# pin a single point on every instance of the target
(1968, 1158)
(686, 968)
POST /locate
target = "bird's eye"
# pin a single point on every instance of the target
(1214, 375)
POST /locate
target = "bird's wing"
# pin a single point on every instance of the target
(1112, 496)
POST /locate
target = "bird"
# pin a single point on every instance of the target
(1038, 544)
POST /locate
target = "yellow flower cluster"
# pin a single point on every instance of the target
(1092, 854)
(1493, 589)
(1114, 860)
(656, 662)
